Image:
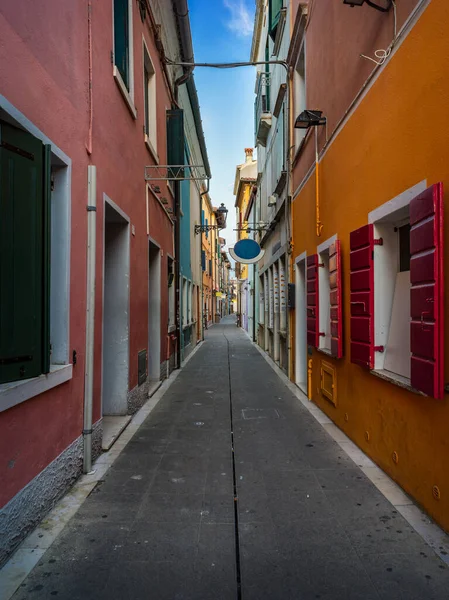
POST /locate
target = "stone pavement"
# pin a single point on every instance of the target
(308, 524)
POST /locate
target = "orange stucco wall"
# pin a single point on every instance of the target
(397, 137)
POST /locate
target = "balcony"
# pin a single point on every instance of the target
(262, 109)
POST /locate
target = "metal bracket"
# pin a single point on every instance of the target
(379, 348)
(175, 173)
(379, 242)
(91, 208)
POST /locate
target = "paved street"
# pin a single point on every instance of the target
(309, 524)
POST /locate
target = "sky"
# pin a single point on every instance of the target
(222, 32)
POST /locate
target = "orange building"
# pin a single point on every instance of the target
(369, 262)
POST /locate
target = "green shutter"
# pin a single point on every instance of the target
(267, 107)
(121, 39)
(21, 255)
(274, 15)
(46, 260)
(175, 140)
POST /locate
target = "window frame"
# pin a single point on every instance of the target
(126, 91)
(390, 213)
(61, 370)
(149, 102)
(324, 319)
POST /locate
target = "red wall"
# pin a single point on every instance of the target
(44, 74)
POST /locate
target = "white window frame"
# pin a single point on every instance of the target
(300, 91)
(171, 299)
(324, 320)
(151, 137)
(386, 266)
(128, 95)
(61, 370)
(301, 321)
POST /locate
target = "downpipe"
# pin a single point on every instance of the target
(90, 316)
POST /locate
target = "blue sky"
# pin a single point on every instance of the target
(222, 32)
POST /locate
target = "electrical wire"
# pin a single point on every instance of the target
(381, 54)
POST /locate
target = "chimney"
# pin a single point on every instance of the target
(249, 154)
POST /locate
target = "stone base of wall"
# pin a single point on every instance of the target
(138, 396)
(171, 363)
(29, 506)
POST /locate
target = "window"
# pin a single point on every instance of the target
(123, 51)
(299, 84)
(397, 290)
(203, 260)
(24, 257)
(184, 301)
(171, 293)
(34, 263)
(274, 14)
(149, 91)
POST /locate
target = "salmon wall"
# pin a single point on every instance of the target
(396, 137)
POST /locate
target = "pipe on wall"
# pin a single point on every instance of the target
(90, 92)
(90, 316)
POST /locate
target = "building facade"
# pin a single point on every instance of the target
(270, 44)
(245, 191)
(91, 315)
(369, 259)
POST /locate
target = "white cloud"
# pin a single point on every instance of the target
(240, 21)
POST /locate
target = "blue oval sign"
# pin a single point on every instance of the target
(246, 251)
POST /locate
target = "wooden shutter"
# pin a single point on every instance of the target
(362, 296)
(121, 39)
(274, 14)
(22, 257)
(46, 244)
(426, 293)
(175, 140)
(336, 300)
(203, 260)
(312, 301)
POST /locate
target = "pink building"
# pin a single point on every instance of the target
(83, 106)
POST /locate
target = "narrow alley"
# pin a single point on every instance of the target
(286, 516)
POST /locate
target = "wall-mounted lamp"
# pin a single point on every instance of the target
(310, 118)
(222, 214)
(386, 8)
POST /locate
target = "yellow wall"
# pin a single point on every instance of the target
(397, 137)
(242, 204)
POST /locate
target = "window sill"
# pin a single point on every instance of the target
(16, 392)
(402, 382)
(125, 93)
(325, 351)
(151, 149)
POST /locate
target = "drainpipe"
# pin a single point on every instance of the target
(90, 316)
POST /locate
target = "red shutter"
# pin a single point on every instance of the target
(335, 300)
(312, 300)
(362, 296)
(426, 292)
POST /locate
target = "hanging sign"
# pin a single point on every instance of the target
(247, 252)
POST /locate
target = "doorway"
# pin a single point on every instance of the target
(154, 311)
(115, 311)
(301, 324)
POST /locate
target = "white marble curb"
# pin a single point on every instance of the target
(28, 554)
(431, 533)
